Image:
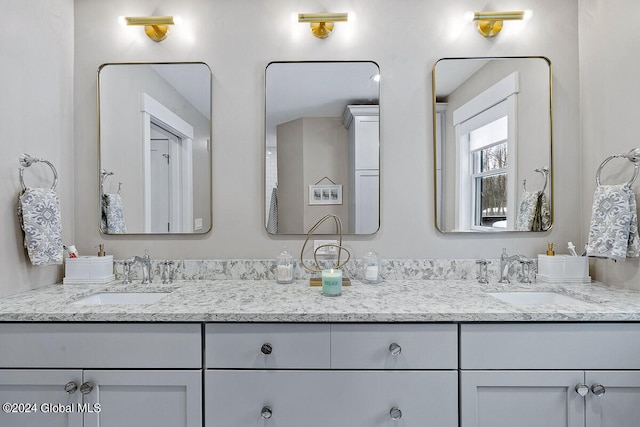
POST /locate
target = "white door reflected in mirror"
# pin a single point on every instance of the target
(155, 133)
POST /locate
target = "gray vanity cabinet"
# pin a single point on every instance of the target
(90, 375)
(552, 375)
(619, 406)
(521, 398)
(26, 391)
(319, 375)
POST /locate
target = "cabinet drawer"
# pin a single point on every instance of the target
(372, 346)
(100, 345)
(550, 346)
(290, 346)
(331, 398)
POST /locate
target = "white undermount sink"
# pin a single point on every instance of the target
(534, 298)
(113, 298)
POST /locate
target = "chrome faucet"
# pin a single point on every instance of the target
(145, 262)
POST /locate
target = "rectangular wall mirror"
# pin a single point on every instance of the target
(322, 146)
(493, 144)
(155, 148)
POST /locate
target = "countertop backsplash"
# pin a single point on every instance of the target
(264, 269)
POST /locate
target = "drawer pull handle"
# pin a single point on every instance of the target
(395, 413)
(395, 349)
(598, 389)
(86, 388)
(582, 389)
(266, 412)
(266, 348)
(70, 387)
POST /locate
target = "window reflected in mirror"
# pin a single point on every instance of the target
(492, 144)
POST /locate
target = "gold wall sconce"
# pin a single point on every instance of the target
(322, 23)
(155, 27)
(489, 24)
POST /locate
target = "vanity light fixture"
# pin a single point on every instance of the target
(322, 23)
(489, 24)
(156, 27)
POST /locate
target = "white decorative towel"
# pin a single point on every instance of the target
(534, 213)
(614, 223)
(272, 221)
(39, 214)
(113, 214)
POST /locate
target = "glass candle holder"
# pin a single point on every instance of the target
(371, 267)
(332, 282)
(284, 267)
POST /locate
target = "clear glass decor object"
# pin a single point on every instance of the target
(371, 267)
(285, 267)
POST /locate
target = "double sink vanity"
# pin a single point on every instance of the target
(252, 352)
(418, 349)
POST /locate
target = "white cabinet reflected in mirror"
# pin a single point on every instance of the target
(493, 144)
(155, 148)
(322, 146)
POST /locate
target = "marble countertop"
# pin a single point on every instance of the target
(267, 301)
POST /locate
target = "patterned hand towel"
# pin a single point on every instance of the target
(113, 214)
(614, 223)
(534, 213)
(39, 214)
(272, 221)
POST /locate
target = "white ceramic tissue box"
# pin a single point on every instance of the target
(563, 268)
(89, 270)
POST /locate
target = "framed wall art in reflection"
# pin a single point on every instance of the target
(325, 194)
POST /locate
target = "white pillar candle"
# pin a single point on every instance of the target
(371, 273)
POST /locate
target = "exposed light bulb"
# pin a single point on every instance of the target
(469, 15)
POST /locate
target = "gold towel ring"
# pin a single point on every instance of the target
(26, 161)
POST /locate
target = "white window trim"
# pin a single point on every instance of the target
(480, 109)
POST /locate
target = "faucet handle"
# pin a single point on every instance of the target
(167, 272)
(126, 270)
(482, 270)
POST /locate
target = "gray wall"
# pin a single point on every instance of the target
(609, 94)
(36, 117)
(238, 39)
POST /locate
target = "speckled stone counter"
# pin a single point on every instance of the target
(266, 301)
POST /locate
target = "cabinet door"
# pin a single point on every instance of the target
(366, 196)
(521, 398)
(619, 406)
(43, 392)
(143, 398)
(331, 398)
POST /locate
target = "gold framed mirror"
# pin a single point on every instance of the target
(322, 146)
(154, 123)
(492, 121)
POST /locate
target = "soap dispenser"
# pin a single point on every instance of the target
(371, 267)
(284, 267)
